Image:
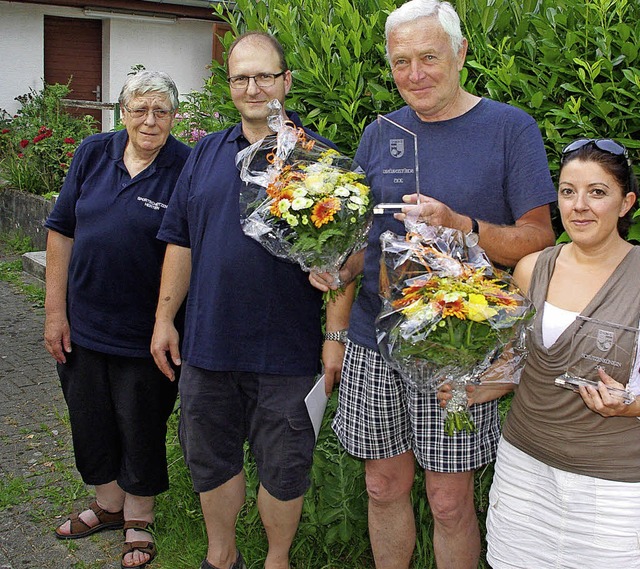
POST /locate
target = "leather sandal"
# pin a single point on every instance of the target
(147, 547)
(238, 564)
(78, 529)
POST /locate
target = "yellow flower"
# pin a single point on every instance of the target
(478, 308)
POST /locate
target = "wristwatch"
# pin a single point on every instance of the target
(471, 239)
(338, 336)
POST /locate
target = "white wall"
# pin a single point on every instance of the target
(183, 50)
(21, 52)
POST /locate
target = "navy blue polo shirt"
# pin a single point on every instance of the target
(246, 309)
(116, 260)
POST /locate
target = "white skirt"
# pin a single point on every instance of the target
(540, 517)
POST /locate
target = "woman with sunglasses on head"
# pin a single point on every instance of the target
(103, 278)
(566, 487)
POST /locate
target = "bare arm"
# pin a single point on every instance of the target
(338, 311)
(57, 334)
(176, 274)
(504, 244)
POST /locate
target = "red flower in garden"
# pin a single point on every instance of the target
(42, 130)
(21, 155)
(24, 143)
(70, 154)
(5, 130)
(69, 140)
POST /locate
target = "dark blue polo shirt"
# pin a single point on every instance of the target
(246, 309)
(116, 260)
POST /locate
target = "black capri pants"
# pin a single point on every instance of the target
(118, 408)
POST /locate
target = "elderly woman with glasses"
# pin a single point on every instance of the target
(103, 276)
(566, 488)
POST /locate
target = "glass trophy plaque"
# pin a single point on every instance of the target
(605, 345)
(399, 163)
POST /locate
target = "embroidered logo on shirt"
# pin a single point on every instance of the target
(151, 204)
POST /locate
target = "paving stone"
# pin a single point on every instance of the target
(31, 408)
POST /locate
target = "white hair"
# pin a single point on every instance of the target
(145, 82)
(415, 9)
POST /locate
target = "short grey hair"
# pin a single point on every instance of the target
(415, 9)
(144, 82)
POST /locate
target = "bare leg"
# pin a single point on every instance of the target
(280, 520)
(110, 497)
(138, 508)
(220, 508)
(392, 527)
(456, 537)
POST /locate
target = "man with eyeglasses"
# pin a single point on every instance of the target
(252, 342)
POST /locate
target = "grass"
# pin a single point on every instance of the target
(16, 244)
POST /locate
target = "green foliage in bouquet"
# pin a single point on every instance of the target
(38, 143)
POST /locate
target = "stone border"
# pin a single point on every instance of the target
(25, 213)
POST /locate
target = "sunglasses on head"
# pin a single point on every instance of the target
(604, 144)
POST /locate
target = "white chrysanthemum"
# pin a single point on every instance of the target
(453, 296)
(314, 183)
(301, 203)
(299, 192)
(284, 205)
(342, 192)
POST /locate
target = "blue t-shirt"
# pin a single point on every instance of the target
(489, 163)
(116, 260)
(246, 309)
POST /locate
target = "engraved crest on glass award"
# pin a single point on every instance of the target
(605, 345)
(399, 163)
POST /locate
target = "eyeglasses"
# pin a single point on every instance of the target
(261, 80)
(604, 144)
(159, 114)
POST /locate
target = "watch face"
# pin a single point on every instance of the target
(343, 336)
(471, 239)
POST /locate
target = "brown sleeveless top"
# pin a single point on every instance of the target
(553, 424)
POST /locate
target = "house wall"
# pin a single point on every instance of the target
(183, 50)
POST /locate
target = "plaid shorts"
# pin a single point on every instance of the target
(380, 415)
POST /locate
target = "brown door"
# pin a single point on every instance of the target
(73, 51)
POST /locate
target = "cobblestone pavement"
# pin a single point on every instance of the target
(38, 482)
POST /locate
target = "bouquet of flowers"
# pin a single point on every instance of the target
(304, 202)
(448, 315)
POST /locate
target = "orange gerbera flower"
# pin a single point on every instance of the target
(324, 211)
(452, 308)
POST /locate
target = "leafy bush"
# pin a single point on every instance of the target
(334, 48)
(37, 144)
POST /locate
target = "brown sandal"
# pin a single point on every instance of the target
(147, 547)
(78, 529)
